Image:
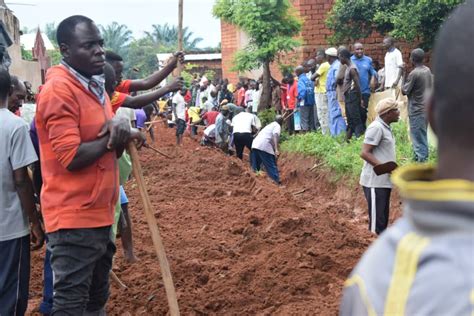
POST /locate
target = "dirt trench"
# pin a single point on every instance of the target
(237, 243)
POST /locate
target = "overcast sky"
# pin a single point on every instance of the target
(138, 15)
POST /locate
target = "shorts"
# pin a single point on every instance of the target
(123, 196)
(180, 127)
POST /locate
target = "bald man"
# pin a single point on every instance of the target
(423, 264)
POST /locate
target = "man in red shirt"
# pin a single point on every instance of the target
(210, 116)
(127, 86)
(292, 98)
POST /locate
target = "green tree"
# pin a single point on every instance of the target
(167, 36)
(141, 59)
(409, 20)
(26, 54)
(50, 31)
(271, 26)
(116, 37)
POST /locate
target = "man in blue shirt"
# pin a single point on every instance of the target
(366, 72)
(305, 98)
(337, 125)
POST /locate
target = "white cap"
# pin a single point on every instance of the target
(332, 51)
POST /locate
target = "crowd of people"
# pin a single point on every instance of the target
(86, 114)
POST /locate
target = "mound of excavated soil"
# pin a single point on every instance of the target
(237, 243)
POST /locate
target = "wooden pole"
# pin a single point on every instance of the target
(155, 232)
(158, 152)
(180, 33)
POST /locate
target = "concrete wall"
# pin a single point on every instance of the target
(25, 70)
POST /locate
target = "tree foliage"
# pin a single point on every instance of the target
(271, 25)
(167, 36)
(116, 37)
(404, 19)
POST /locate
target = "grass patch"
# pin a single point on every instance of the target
(343, 159)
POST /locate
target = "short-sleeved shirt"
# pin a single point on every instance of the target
(323, 75)
(124, 86)
(210, 117)
(180, 105)
(243, 122)
(393, 63)
(141, 118)
(366, 72)
(380, 135)
(264, 139)
(17, 152)
(193, 113)
(417, 87)
(127, 113)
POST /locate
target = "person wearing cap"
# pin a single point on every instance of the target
(265, 149)
(337, 125)
(379, 148)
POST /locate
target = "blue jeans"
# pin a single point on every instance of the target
(47, 304)
(257, 157)
(419, 136)
(81, 260)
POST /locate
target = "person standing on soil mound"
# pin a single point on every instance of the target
(265, 149)
(79, 151)
(379, 148)
(423, 264)
(179, 112)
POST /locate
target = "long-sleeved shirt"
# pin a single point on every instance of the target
(305, 91)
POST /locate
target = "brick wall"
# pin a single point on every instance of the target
(314, 34)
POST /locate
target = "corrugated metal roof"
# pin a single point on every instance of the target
(191, 57)
(28, 41)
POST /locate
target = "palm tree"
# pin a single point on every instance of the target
(116, 37)
(167, 36)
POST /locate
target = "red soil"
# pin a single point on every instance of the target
(237, 243)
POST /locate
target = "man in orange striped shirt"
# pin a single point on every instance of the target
(80, 140)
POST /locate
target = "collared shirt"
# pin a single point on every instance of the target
(366, 71)
(95, 84)
(264, 141)
(379, 135)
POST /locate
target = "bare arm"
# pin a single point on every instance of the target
(367, 154)
(158, 76)
(24, 188)
(142, 100)
(399, 76)
(355, 78)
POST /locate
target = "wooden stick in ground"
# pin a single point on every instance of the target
(180, 33)
(155, 232)
(159, 152)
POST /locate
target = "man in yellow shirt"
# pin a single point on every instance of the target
(194, 119)
(320, 78)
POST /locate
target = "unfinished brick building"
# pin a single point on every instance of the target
(314, 36)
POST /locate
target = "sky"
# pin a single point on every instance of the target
(138, 15)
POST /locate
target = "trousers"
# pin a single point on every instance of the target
(259, 157)
(242, 140)
(378, 201)
(419, 136)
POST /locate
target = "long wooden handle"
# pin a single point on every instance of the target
(155, 232)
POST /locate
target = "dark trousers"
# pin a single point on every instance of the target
(14, 275)
(81, 260)
(259, 157)
(290, 122)
(242, 140)
(378, 201)
(354, 121)
(364, 109)
(419, 136)
(47, 303)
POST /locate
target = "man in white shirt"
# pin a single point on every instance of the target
(179, 112)
(244, 125)
(265, 149)
(393, 64)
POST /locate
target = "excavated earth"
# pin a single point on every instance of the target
(237, 244)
